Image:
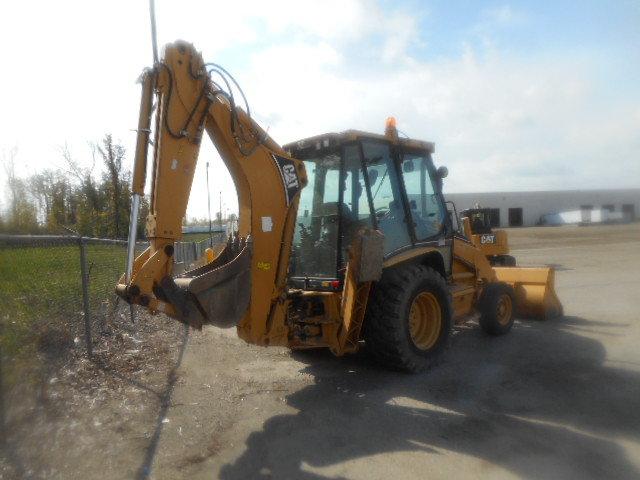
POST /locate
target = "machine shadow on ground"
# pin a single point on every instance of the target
(539, 403)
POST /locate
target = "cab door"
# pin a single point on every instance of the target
(386, 194)
(426, 209)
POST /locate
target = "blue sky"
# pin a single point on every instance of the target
(445, 28)
(516, 95)
(534, 27)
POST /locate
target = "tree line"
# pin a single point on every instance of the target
(73, 199)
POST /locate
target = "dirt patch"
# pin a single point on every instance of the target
(552, 399)
(596, 234)
(64, 413)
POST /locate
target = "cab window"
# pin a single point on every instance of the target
(385, 192)
(356, 213)
(427, 211)
(315, 241)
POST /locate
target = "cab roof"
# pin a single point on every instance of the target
(310, 145)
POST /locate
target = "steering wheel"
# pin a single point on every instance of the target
(382, 212)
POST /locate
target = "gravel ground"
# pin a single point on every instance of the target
(555, 399)
(73, 417)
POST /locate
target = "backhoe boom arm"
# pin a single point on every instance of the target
(246, 284)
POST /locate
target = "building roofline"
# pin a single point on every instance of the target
(575, 190)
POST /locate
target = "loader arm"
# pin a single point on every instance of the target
(246, 284)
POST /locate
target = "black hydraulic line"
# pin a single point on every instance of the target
(237, 129)
(224, 79)
(183, 132)
(222, 69)
(193, 110)
(167, 101)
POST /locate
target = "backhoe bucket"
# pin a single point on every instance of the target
(217, 293)
(535, 290)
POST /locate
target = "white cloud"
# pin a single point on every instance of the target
(503, 15)
(500, 121)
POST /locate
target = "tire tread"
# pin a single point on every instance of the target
(385, 331)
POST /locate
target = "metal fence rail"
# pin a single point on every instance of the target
(189, 252)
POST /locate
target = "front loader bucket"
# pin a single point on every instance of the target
(535, 290)
(217, 293)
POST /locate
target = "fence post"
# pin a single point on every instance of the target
(2, 414)
(85, 296)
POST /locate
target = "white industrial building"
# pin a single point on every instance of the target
(517, 209)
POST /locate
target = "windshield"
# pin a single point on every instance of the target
(480, 221)
(316, 235)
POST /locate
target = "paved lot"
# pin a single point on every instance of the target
(556, 399)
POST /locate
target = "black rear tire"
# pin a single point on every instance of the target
(497, 306)
(508, 261)
(503, 261)
(387, 331)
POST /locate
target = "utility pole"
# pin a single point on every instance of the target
(221, 211)
(209, 209)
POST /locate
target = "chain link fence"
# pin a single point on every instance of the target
(187, 255)
(59, 291)
(68, 341)
(55, 291)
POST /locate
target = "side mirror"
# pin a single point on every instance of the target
(442, 172)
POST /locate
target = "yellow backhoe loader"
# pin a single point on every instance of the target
(343, 239)
(493, 243)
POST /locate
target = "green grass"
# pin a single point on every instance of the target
(41, 291)
(41, 288)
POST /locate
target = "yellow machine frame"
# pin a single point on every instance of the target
(253, 268)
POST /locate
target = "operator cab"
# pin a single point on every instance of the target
(360, 180)
(480, 220)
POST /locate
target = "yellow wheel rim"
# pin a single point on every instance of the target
(425, 320)
(504, 309)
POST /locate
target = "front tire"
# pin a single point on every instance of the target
(497, 308)
(409, 318)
